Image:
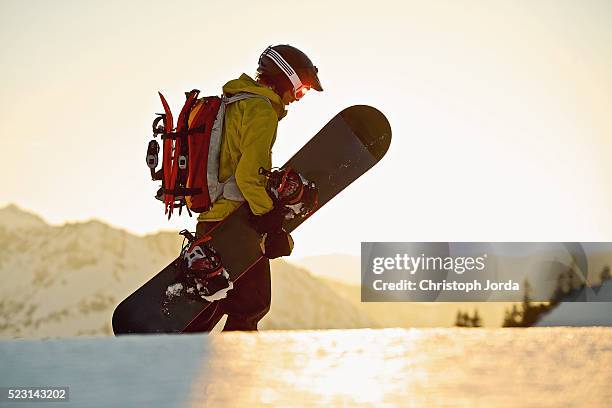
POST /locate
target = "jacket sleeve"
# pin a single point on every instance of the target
(258, 130)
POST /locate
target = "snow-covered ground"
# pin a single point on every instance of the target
(543, 367)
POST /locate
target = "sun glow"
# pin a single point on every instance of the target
(489, 142)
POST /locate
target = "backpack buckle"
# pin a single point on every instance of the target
(182, 162)
(152, 161)
(152, 152)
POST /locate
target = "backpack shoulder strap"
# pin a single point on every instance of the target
(229, 188)
(241, 96)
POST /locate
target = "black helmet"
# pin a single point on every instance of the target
(280, 63)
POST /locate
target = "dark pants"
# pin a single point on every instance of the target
(246, 304)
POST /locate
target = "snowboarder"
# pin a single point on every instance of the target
(284, 75)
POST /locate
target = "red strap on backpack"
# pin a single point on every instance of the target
(181, 155)
(199, 143)
(168, 182)
(176, 154)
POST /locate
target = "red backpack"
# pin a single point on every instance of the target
(190, 158)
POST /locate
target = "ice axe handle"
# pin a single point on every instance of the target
(188, 235)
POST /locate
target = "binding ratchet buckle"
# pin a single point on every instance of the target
(290, 189)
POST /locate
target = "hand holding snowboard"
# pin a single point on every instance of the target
(275, 242)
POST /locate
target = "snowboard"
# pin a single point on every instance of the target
(350, 144)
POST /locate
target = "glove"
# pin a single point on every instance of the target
(276, 244)
(269, 222)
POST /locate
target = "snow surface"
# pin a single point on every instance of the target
(539, 367)
(15, 218)
(174, 290)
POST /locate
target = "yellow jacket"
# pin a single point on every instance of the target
(249, 132)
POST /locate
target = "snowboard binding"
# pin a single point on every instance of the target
(200, 268)
(291, 190)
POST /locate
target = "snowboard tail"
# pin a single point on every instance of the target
(344, 149)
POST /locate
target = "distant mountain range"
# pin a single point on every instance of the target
(66, 280)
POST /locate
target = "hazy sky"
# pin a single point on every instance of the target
(501, 111)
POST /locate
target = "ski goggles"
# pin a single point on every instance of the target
(299, 93)
(299, 89)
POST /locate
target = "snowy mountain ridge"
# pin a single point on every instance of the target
(66, 280)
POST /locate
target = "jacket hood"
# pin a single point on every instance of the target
(247, 84)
